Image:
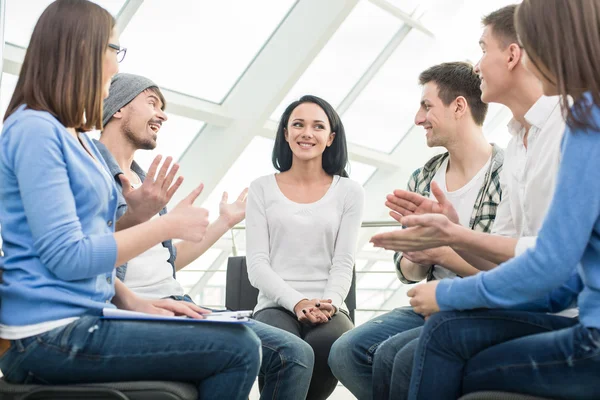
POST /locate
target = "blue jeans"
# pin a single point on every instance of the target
(354, 357)
(513, 351)
(393, 363)
(287, 361)
(221, 360)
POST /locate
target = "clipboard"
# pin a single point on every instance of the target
(227, 317)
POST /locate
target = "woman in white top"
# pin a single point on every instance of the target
(302, 228)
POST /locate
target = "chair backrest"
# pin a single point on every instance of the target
(241, 295)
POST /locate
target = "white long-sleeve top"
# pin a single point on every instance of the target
(296, 251)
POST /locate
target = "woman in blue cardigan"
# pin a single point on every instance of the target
(57, 212)
(514, 351)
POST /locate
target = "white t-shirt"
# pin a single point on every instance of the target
(462, 199)
(296, 251)
(150, 274)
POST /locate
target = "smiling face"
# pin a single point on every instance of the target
(142, 119)
(434, 116)
(308, 132)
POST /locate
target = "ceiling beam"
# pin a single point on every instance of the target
(370, 73)
(126, 14)
(195, 108)
(406, 18)
(177, 103)
(273, 72)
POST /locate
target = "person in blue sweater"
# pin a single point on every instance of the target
(57, 212)
(465, 351)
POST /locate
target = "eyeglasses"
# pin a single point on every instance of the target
(120, 51)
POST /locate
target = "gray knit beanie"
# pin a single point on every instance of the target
(123, 89)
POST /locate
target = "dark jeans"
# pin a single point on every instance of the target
(319, 337)
(363, 359)
(513, 351)
(222, 360)
(287, 361)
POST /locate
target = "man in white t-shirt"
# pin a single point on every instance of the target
(133, 116)
(452, 114)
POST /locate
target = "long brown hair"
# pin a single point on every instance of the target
(564, 37)
(62, 70)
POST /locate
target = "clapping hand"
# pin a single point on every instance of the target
(404, 203)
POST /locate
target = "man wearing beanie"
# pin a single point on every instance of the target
(133, 116)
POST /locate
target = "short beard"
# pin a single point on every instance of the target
(138, 143)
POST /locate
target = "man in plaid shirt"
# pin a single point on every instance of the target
(434, 262)
(452, 114)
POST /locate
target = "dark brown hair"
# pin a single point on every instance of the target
(502, 23)
(335, 157)
(455, 79)
(62, 70)
(563, 38)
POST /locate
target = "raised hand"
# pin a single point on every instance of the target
(235, 212)
(405, 203)
(156, 191)
(186, 221)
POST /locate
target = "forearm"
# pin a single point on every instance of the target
(481, 264)
(491, 248)
(134, 241)
(123, 295)
(126, 221)
(189, 251)
(269, 283)
(338, 284)
(455, 263)
(413, 271)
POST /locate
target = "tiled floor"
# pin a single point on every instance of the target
(340, 393)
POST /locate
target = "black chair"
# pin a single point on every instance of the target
(142, 390)
(241, 295)
(499, 396)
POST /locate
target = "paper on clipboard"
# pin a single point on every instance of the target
(230, 317)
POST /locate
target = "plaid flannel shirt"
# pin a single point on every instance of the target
(486, 202)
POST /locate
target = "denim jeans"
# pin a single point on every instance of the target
(513, 351)
(287, 361)
(392, 365)
(221, 360)
(354, 356)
